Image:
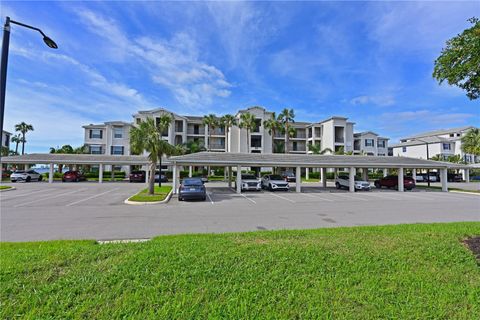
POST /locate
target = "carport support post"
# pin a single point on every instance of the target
(298, 180)
(467, 175)
(444, 179)
(50, 174)
(100, 173)
(190, 171)
(306, 173)
(175, 181)
(239, 179)
(414, 175)
(147, 175)
(324, 177)
(229, 177)
(385, 172)
(112, 175)
(400, 180)
(351, 179)
(365, 174)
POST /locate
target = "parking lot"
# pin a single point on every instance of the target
(88, 210)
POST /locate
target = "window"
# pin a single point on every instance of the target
(258, 123)
(256, 141)
(196, 129)
(452, 135)
(404, 149)
(381, 143)
(178, 126)
(118, 132)
(369, 143)
(138, 120)
(96, 134)
(117, 150)
(446, 146)
(96, 149)
(295, 146)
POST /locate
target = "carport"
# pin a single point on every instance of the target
(299, 161)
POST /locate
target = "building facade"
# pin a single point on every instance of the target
(6, 139)
(445, 143)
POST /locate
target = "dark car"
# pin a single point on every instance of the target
(73, 176)
(392, 182)
(192, 188)
(454, 177)
(288, 176)
(162, 177)
(137, 176)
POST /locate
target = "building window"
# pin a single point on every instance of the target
(446, 146)
(96, 149)
(258, 123)
(452, 135)
(404, 149)
(178, 126)
(116, 150)
(196, 129)
(118, 132)
(96, 134)
(381, 143)
(138, 120)
(256, 141)
(369, 143)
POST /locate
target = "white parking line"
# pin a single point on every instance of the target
(211, 201)
(381, 196)
(251, 200)
(314, 195)
(348, 196)
(46, 198)
(276, 195)
(89, 198)
(25, 194)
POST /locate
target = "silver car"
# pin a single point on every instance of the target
(27, 176)
(343, 181)
(250, 182)
(274, 182)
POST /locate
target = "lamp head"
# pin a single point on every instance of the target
(49, 42)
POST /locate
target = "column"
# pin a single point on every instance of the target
(147, 174)
(307, 173)
(385, 172)
(190, 171)
(351, 179)
(414, 175)
(324, 177)
(100, 173)
(335, 173)
(229, 177)
(112, 175)
(444, 179)
(225, 175)
(175, 177)
(50, 173)
(298, 180)
(400, 179)
(467, 175)
(239, 179)
(365, 174)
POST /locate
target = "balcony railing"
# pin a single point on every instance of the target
(300, 136)
(339, 140)
(194, 132)
(217, 146)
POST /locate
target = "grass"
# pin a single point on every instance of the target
(5, 187)
(451, 189)
(160, 193)
(419, 271)
(310, 180)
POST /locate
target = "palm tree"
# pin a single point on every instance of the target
(227, 121)
(471, 142)
(23, 128)
(147, 136)
(16, 139)
(247, 121)
(317, 149)
(193, 147)
(211, 121)
(273, 126)
(163, 123)
(286, 117)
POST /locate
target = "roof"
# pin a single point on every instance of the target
(364, 133)
(46, 158)
(438, 132)
(6, 132)
(303, 160)
(423, 141)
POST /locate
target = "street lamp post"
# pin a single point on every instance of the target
(4, 62)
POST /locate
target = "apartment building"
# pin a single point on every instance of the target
(335, 133)
(6, 139)
(445, 142)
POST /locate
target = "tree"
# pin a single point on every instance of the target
(227, 121)
(5, 151)
(65, 149)
(273, 126)
(459, 61)
(471, 142)
(317, 149)
(147, 136)
(16, 139)
(210, 121)
(193, 147)
(247, 121)
(286, 117)
(23, 128)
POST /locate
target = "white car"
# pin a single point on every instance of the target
(274, 182)
(250, 182)
(27, 176)
(342, 181)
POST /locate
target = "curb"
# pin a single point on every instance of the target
(467, 192)
(9, 189)
(136, 203)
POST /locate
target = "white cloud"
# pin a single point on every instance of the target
(382, 101)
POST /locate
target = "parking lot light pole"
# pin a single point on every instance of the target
(4, 61)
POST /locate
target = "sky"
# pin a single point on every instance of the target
(369, 61)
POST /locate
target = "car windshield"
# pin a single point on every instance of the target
(275, 177)
(137, 172)
(248, 177)
(20, 171)
(192, 182)
(69, 172)
(289, 174)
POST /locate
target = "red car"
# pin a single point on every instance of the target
(73, 176)
(392, 182)
(137, 176)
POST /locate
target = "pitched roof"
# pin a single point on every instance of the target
(421, 141)
(438, 132)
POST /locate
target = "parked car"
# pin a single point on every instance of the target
(162, 177)
(392, 182)
(454, 177)
(288, 176)
(137, 176)
(421, 177)
(274, 182)
(250, 182)
(343, 181)
(25, 175)
(192, 188)
(73, 176)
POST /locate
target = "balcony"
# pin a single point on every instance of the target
(339, 140)
(217, 146)
(196, 132)
(218, 132)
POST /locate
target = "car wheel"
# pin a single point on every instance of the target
(377, 185)
(337, 185)
(204, 198)
(28, 179)
(40, 178)
(180, 199)
(270, 187)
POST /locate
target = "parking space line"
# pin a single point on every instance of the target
(89, 198)
(251, 200)
(25, 194)
(348, 196)
(47, 198)
(211, 201)
(276, 195)
(314, 195)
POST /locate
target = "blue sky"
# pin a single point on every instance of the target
(369, 61)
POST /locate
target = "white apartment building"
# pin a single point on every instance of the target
(445, 142)
(6, 139)
(334, 133)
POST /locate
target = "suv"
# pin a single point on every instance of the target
(343, 181)
(137, 176)
(392, 182)
(22, 175)
(73, 176)
(250, 182)
(288, 176)
(274, 182)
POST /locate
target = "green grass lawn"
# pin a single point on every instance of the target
(418, 271)
(310, 180)
(5, 187)
(440, 188)
(160, 193)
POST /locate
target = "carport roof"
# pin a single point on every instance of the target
(303, 160)
(57, 158)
